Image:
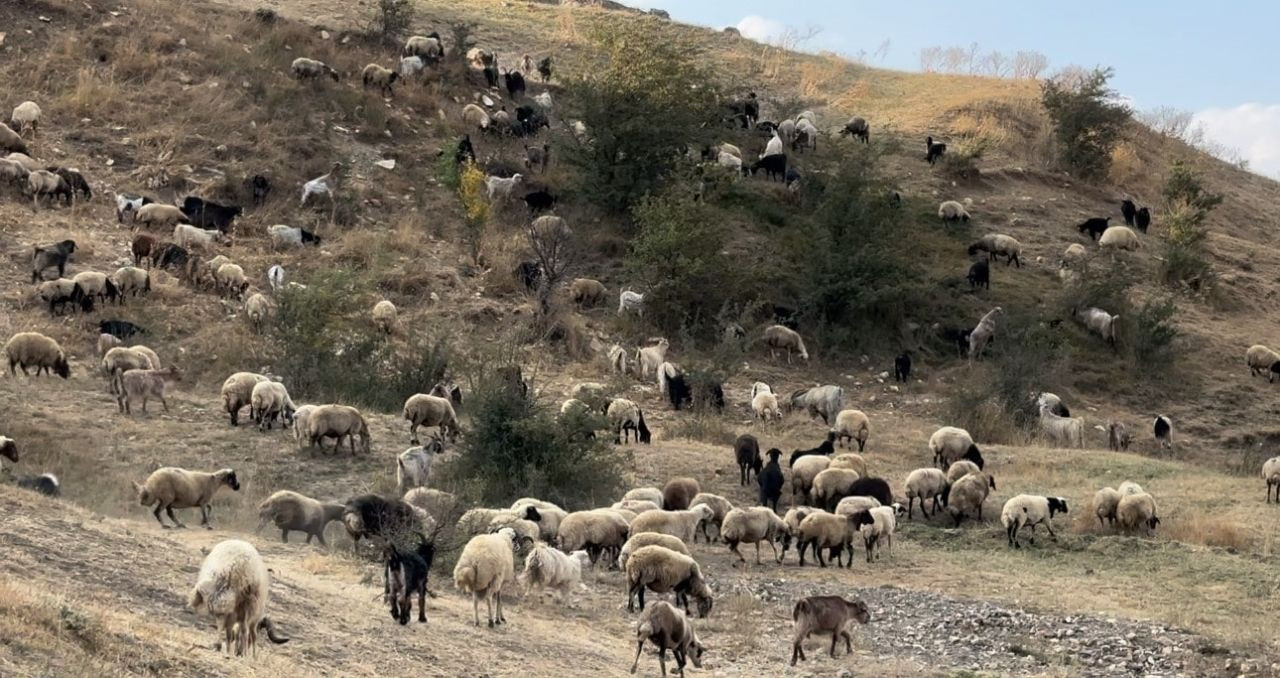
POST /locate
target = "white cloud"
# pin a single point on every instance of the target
(1252, 129)
(760, 29)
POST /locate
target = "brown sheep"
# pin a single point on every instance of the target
(678, 493)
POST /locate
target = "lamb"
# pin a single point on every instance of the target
(422, 409)
(678, 493)
(1026, 510)
(630, 301)
(269, 401)
(546, 567)
(285, 237)
(50, 256)
(951, 212)
(170, 488)
(230, 280)
(96, 285)
(765, 407)
(131, 281)
(311, 69)
(338, 422)
(681, 524)
(668, 628)
(982, 334)
(661, 570)
(500, 188)
(783, 337)
(385, 317)
(597, 531)
(1137, 511)
(746, 450)
(650, 358)
(237, 391)
(822, 530)
(926, 483)
(625, 416)
(998, 244)
(1118, 437)
(933, 150)
(1162, 427)
(832, 485)
(1095, 227)
(485, 567)
(720, 507)
(961, 469)
(291, 511)
(32, 349)
(1259, 358)
(234, 586)
(26, 115)
(413, 466)
(476, 117)
(11, 141)
(143, 385)
(159, 216)
(587, 292)
(1105, 502)
(404, 574)
(950, 444)
(884, 524)
(826, 614)
(1099, 322)
(129, 204)
(821, 401)
(1270, 473)
(967, 495)
(1119, 238)
(857, 127)
(771, 481)
(383, 78)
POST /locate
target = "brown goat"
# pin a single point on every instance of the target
(826, 614)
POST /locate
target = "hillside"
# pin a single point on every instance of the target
(170, 99)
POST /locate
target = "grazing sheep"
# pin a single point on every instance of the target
(625, 416)
(258, 308)
(821, 401)
(857, 127)
(159, 216)
(852, 425)
(598, 531)
(291, 511)
(311, 69)
(662, 570)
(11, 141)
(1064, 431)
(851, 505)
(782, 337)
(338, 422)
(1162, 427)
(411, 66)
(825, 614)
(720, 507)
(1262, 359)
(58, 293)
(926, 483)
(427, 47)
(1105, 502)
(752, 526)
(950, 444)
(770, 480)
(1026, 510)
(269, 401)
(951, 211)
(1119, 238)
(682, 524)
(1075, 252)
(144, 385)
(237, 392)
(385, 317)
(1094, 226)
(234, 586)
(548, 568)
(630, 301)
(668, 629)
(32, 349)
(405, 574)
(548, 517)
(423, 409)
(96, 285)
(1118, 437)
(476, 117)
(803, 472)
(933, 150)
(678, 493)
(129, 204)
(13, 172)
(170, 488)
(642, 539)
(131, 281)
(413, 466)
(45, 183)
(285, 237)
(1099, 322)
(383, 78)
(106, 342)
(996, 245)
(850, 461)
(1270, 473)
(967, 495)
(961, 469)
(230, 280)
(746, 450)
(765, 407)
(50, 256)
(1142, 219)
(1137, 511)
(587, 292)
(438, 505)
(831, 485)
(118, 360)
(822, 530)
(75, 181)
(26, 115)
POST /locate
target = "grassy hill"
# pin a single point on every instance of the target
(178, 98)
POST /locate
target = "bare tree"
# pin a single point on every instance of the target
(553, 246)
(994, 65)
(882, 52)
(1029, 65)
(931, 59)
(1170, 121)
(971, 58)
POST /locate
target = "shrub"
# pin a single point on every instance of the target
(1153, 338)
(961, 163)
(473, 193)
(1087, 121)
(391, 19)
(1186, 260)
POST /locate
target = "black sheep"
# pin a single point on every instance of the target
(746, 449)
(770, 480)
(544, 69)
(170, 256)
(1095, 227)
(871, 487)
(902, 367)
(369, 515)
(209, 215)
(50, 256)
(120, 329)
(678, 391)
(774, 166)
(1128, 209)
(404, 575)
(465, 151)
(1142, 219)
(980, 274)
(75, 181)
(514, 80)
(826, 449)
(539, 201)
(933, 151)
(46, 484)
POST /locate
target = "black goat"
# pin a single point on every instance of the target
(678, 391)
(980, 274)
(209, 215)
(529, 273)
(774, 166)
(746, 449)
(544, 69)
(259, 188)
(957, 337)
(50, 256)
(1142, 219)
(1095, 227)
(170, 256)
(902, 367)
(826, 449)
(404, 575)
(491, 74)
(46, 484)
(75, 181)
(309, 238)
(465, 151)
(514, 81)
(771, 480)
(120, 329)
(933, 151)
(1128, 209)
(539, 201)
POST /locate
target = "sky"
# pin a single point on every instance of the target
(1219, 61)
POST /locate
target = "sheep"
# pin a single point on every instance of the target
(825, 614)
(803, 472)
(630, 301)
(381, 77)
(258, 308)
(76, 183)
(1270, 473)
(729, 161)
(585, 291)
(783, 337)
(979, 274)
(106, 342)
(650, 358)
(998, 244)
(1064, 431)
(746, 450)
(951, 212)
(636, 506)
(823, 401)
(765, 407)
(405, 574)
(500, 188)
(131, 281)
(851, 505)
(625, 416)
(682, 524)
(413, 466)
(882, 528)
(1119, 238)
(50, 256)
(1118, 437)
(422, 409)
(291, 511)
(1026, 510)
(285, 237)
(230, 280)
(822, 530)
(58, 293)
(234, 586)
(720, 507)
(1162, 428)
(438, 505)
(678, 492)
(961, 469)
(27, 162)
(806, 135)
(14, 173)
(751, 526)
(45, 183)
(143, 385)
(1142, 219)
(385, 317)
(982, 334)
(26, 115)
(411, 66)
(857, 127)
(32, 349)
(11, 141)
(950, 444)
(652, 494)
(96, 285)
(597, 531)
(926, 483)
(159, 216)
(549, 516)
(269, 401)
(662, 570)
(668, 629)
(832, 485)
(311, 69)
(641, 539)
(967, 495)
(237, 392)
(850, 460)
(476, 117)
(1075, 252)
(1099, 322)
(170, 488)
(424, 46)
(527, 531)
(338, 421)
(546, 567)
(1260, 359)
(1137, 511)
(129, 204)
(853, 425)
(1105, 502)
(118, 360)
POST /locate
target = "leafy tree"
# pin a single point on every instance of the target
(1186, 260)
(1087, 121)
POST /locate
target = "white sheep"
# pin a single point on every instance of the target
(821, 531)
(295, 512)
(230, 280)
(783, 337)
(831, 485)
(882, 528)
(338, 422)
(1100, 323)
(381, 77)
(130, 280)
(850, 460)
(32, 349)
(501, 188)
(680, 524)
(385, 317)
(549, 516)
(26, 115)
(1119, 238)
(269, 401)
(751, 526)
(1075, 252)
(968, 494)
(765, 407)
(486, 565)
(662, 570)
(1261, 359)
(1129, 487)
(982, 334)
(1271, 474)
(234, 586)
(284, 236)
(116, 361)
(960, 469)
(422, 409)
(653, 494)
(411, 66)
(998, 244)
(258, 308)
(719, 506)
(596, 531)
(311, 69)
(649, 539)
(237, 392)
(1137, 511)
(953, 211)
(546, 567)
(1027, 510)
(630, 301)
(803, 473)
(475, 116)
(925, 484)
(1105, 503)
(1064, 431)
(170, 488)
(424, 47)
(851, 505)
(950, 444)
(852, 425)
(729, 161)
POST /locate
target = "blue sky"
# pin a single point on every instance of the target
(1216, 60)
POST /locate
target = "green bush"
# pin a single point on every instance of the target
(391, 19)
(1154, 338)
(1186, 260)
(1087, 121)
